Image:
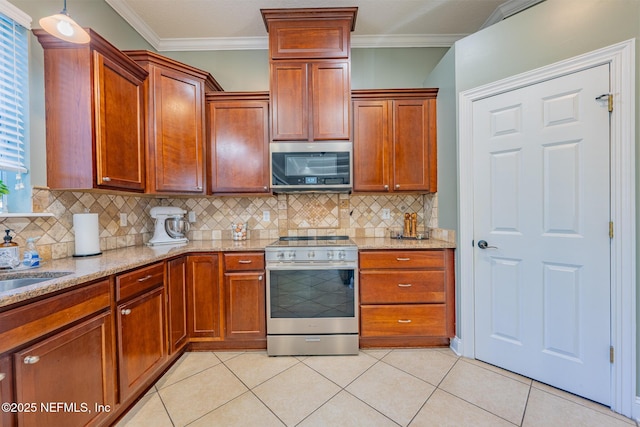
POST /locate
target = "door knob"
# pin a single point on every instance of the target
(482, 244)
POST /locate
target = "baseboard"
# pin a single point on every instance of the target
(456, 345)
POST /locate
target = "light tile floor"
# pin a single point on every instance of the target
(377, 388)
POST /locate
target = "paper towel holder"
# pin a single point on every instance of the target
(86, 225)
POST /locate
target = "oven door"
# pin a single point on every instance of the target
(312, 299)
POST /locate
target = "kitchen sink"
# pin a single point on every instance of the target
(17, 280)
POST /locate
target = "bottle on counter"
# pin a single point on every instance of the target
(9, 252)
(31, 257)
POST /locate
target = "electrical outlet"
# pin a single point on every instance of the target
(123, 220)
(386, 214)
(266, 216)
(192, 216)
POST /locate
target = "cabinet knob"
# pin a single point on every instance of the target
(260, 277)
(125, 311)
(386, 187)
(397, 186)
(106, 179)
(30, 360)
(199, 188)
(265, 188)
(2, 376)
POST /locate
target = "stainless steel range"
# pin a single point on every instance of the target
(312, 296)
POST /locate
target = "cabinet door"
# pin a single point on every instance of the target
(177, 139)
(245, 305)
(119, 126)
(414, 167)
(204, 296)
(331, 100)
(371, 145)
(141, 337)
(289, 101)
(177, 304)
(6, 391)
(74, 367)
(239, 146)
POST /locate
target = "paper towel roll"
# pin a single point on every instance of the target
(85, 227)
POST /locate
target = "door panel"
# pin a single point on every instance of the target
(541, 188)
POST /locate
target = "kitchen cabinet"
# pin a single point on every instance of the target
(311, 101)
(245, 296)
(394, 141)
(204, 296)
(176, 123)
(177, 304)
(310, 76)
(140, 327)
(6, 390)
(43, 340)
(238, 142)
(406, 297)
(95, 121)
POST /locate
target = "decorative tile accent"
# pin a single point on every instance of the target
(290, 214)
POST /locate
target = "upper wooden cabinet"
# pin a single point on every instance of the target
(176, 123)
(310, 58)
(239, 142)
(310, 33)
(95, 121)
(394, 140)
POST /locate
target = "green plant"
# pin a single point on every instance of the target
(3, 188)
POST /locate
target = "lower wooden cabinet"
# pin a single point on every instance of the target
(140, 324)
(59, 349)
(244, 296)
(177, 304)
(68, 375)
(204, 297)
(406, 297)
(6, 390)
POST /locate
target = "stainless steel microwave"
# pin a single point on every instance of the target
(311, 167)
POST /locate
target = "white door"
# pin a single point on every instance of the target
(541, 204)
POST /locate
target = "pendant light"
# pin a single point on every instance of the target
(63, 27)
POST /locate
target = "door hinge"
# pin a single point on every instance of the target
(611, 354)
(609, 97)
(611, 229)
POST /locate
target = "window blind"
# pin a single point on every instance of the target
(13, 90)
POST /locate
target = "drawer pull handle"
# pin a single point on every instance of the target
(145, 278)
(30, 360)
(125, 311)
(403, 259)
(245, 261)
(404, 285)
(404, 320)
(2, 376)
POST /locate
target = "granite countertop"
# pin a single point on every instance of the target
(82, 270)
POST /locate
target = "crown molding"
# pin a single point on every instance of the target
(507, 9)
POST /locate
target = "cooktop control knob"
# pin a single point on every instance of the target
(292, 255)
(280, 255)
(311, 254)
(329, 255)
(342, 255)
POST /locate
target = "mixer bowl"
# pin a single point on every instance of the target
(176, 226)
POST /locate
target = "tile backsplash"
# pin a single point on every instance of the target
(268, 217)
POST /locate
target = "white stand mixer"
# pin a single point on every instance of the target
(171, 226)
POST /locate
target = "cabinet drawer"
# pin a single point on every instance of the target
(139, 281)
(243, 261)
(403, 320)
(402, 259)
(393, 286)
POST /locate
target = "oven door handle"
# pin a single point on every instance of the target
(315, 266)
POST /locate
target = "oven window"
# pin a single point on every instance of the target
(312, 293)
